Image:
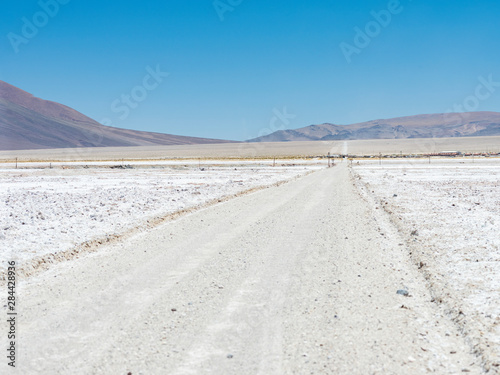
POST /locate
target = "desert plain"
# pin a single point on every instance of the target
(369, 147)
(255, 258)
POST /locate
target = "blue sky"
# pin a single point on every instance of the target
(239, 69)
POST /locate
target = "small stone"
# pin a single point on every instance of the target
(403, 292)
(229, 356)
(173, 309)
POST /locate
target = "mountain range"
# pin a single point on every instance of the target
(28, 122)
(467, 124)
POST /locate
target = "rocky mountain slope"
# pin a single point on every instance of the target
(28, 122)
(467, 124)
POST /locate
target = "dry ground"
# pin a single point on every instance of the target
(296, 279)
(271, 149)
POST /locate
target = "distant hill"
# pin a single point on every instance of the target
(469, 124)
(27, 122)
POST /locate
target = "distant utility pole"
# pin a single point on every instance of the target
(429, 159)
(274, 162)
(379, 158)
(328, 160)
(16, 163)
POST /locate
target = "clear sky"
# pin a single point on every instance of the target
(242, 68)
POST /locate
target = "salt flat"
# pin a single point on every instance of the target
(299, 278)
(261, 150)
(450, 211)
(305, 276)
(49, 211)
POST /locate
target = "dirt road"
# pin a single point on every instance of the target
(296, 279)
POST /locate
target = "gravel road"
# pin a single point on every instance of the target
(297, 279)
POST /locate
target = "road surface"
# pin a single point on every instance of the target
(296, 279)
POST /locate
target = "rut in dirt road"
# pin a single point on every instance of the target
(296, 279)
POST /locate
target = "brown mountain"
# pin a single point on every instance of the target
(469, 124)
(27, 122)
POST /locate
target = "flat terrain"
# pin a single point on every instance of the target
(256, 150)
(300, 278)
(70, 205)
(451, 212)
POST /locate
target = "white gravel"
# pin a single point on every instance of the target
(453, 210)
(46, 211)
(300, 278)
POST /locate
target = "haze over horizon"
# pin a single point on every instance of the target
(236, 69)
